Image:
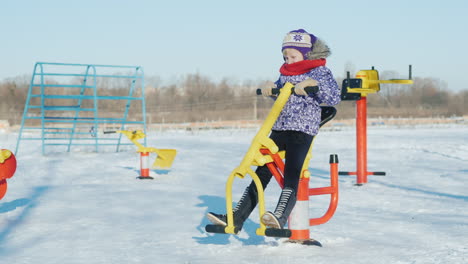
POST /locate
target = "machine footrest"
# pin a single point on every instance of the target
(219, 229)
(274, 232)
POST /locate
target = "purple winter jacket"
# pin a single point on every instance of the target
(303, 113)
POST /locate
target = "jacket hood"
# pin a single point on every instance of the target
(320, 50)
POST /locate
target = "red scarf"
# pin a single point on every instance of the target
(301, 67)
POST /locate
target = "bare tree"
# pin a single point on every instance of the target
(197, 98)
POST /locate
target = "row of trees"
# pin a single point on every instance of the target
(197, 98)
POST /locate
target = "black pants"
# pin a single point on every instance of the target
(296, 144)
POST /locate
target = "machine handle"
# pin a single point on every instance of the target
(309, 90)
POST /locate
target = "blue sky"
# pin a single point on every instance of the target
(239, 40)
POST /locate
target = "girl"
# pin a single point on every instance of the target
(304, 65)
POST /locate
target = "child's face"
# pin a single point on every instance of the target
(292, 56)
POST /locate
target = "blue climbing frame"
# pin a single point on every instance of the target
(63, 103)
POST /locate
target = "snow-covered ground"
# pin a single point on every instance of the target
(89, 208)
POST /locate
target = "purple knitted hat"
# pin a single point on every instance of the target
(299, 40)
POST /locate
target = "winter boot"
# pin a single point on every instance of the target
(285, 205)
(242, 210)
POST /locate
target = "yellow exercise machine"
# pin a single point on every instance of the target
(263, 151)
(357, 89)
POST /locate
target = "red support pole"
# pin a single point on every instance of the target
(332, 190)
(361, 140)
(276, 167)
(361, 144)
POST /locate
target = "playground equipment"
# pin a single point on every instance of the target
(7, 169)
(69, 104)
(264, 151)
(164, 158)
(357, 89)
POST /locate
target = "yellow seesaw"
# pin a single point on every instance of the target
(165, 157)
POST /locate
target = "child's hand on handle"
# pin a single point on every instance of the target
(267, 88)
(307, 87)
(299, 88)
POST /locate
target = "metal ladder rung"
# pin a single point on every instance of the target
(61, 119)
(67, 133)
(86, 144)
(66, 107)
(87, 97)
(56, 96)
(66, 117)
(63, 85)
(92, 75)
(92, 121)
(57, 128)
(73, 138)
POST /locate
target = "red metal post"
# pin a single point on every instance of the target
(361, 144)
(276, 167)
(361, 140)
(332, 190)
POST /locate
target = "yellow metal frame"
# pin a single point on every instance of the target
(134, 136)
(254, 157)
(371, 82)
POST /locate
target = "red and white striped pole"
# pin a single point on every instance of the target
(144, 166)
(299, 218)
(299, 221)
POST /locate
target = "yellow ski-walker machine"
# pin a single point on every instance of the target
(164, 159)
(262, 151)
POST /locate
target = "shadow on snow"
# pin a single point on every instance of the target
(218, 204)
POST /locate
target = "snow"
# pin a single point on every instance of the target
(83, 207)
